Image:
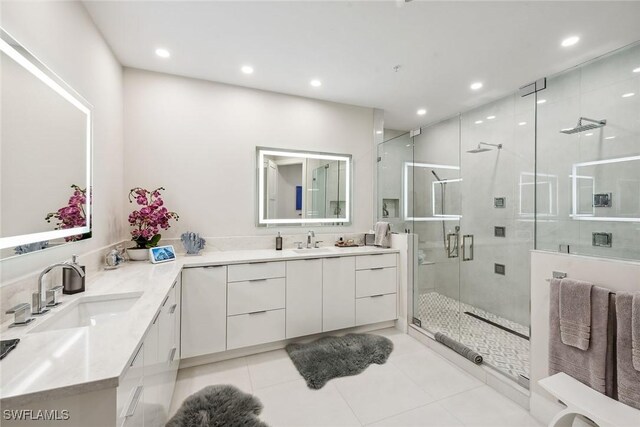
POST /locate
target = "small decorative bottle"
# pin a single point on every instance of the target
(279, 242)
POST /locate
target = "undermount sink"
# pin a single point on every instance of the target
(312, 251)
(89, 311)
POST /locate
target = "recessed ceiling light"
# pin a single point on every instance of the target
(478, 122)
(570, 41)
(315, 83)
(610, 137)
(162, 53)
(636, 70)
(378, 132)
(247, 69)
(565, 129)
(628, 95)
(522, 123)
(408, 145)
(491, 117)
(542, 101)
(588, 134)
(476, 86)
(421, 112)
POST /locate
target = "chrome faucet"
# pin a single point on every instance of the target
(39, 299)
(311, 237)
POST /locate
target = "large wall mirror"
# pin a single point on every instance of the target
(302, 187)
(45, 155)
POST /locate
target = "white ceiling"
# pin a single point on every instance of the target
(442, 47)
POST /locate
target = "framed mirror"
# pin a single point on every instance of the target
(303, 187)
(45, 155)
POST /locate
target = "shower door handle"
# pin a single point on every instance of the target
(467, 255)
(452, 245)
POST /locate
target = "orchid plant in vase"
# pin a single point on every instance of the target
(150, 218)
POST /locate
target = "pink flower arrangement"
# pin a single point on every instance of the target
(150, 218)
(73, 215)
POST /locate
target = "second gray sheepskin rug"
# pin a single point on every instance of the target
(218, 406)
(332, 357)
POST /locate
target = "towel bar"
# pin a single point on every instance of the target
(557, 275)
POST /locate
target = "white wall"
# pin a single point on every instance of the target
(62, 36)
(613, 274)
(197, 139)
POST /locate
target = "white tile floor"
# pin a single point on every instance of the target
(416, 387)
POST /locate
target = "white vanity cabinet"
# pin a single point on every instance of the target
(160, 362)
(130, 393)
(204, 310)
(304, 297)
(376, 288)
(145, 391)
(256, 299)
(338, 293)
(243, 305)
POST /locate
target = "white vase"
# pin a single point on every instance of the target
(136, 254)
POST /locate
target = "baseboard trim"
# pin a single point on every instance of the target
(277, 345)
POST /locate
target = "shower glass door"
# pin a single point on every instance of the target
(468, 194)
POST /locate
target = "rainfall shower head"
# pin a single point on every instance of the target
(594, 124)
(479, 149)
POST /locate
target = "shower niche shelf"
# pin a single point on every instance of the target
(391, 208)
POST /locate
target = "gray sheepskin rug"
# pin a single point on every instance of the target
(219, 406)
(332, 357)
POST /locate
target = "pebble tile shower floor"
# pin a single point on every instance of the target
(502, 350)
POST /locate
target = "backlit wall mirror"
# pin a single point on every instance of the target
(45, 155)
(302, 187)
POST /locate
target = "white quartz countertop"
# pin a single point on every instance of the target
(53, 364)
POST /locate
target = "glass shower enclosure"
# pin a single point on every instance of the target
(465, 188)
(556, 170)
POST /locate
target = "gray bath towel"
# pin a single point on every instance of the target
(575, 313)
(628, 377)
(594, 366)
(635, 330)
(383, 234)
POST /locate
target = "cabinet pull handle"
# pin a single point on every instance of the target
(135, 358)
(376, 296)
(376, 254)
(165, 300)
(174, 284)
(213, 266)
(258, 280)
(332, 257)
(258, 262)
(173, 308)
(310, 259)
(134, 402)
(155, 319)
(172, 354)
(257, 312)
(467, 256)
(377, 268)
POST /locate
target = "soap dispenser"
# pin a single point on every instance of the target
(72, 283)
(279, 242)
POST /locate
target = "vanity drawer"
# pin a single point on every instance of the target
(375, 309)
(375, 282)
(255, 295)
(256, 270)
(364, 262)
(244, 330)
